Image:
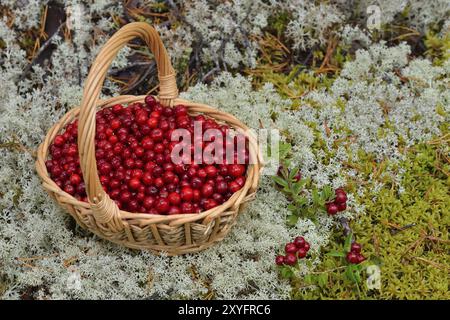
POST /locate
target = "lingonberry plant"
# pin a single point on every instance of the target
(352, 258)
(293, 251)
(134, 152)
(291, 183)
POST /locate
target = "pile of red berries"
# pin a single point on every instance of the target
(355, 256)
(339, 204)
(297, 249)
(133, 151)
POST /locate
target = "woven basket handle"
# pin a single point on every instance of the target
(105, 210)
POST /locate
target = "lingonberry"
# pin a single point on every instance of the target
(162, 205)
(332, 209)
(290, 259)
(187, 194)
(290, 248)
(236, 170)
(302, 252)
(342, 206)
(352, 257)
(75, 179)
(207, 190)
(59, 141)
(279, 260)
(341, 198)
(299, 242)
(306, 246)
(233, 186)
(174, 198)
(209, 204)
(150, 101)
(360, 258)
(211, 171)
(133, 151)
(355, 247)
(134, 183)
(186, 207)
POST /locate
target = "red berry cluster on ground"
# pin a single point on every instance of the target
(339, 204)
(133, 151)
(297, 249)
(355, 256)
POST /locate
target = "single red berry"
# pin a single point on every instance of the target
(302, 252)
(186, 207)
(158, 182)
(207, 190)
(342, 206)
(233, 186)
(201, 173)
(134, 184)
(147, 178)
(298, 177)
(210, 203)
(174, 198)
(59, 141)
(211, 171)
(290, 259)
(279, 260)
(150, 101)
(341, 198)
(290, 248)
(75, 179)
(148, 202)
(162, 205)
(117, 108)
(69, 189)
(352, 257)
(299, 242)
(360, 258)
(157, 135)
(306, 247)
(187, 194)
(332, 209)
(221, 187)
(355, 247)
(115, 124)
(236, 170)
(180, 110)
(125, 197)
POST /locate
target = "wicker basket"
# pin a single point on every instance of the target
(174, 234)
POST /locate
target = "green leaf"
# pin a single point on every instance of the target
(349, 273)
(296, 187)
(336, 254)
(315, 197)
(353, 273)
(292, 220)
(308, 279)
(327, 193)
(322, 279)
(348, 242)
(284, 149)
(292, 173)
(300, 201)
(280, 181)
(286, 272)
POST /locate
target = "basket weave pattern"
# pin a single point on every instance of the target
(175, 234)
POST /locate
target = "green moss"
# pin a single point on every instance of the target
(414, 262)
(438, 47)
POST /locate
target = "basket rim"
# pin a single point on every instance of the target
(139, 218)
